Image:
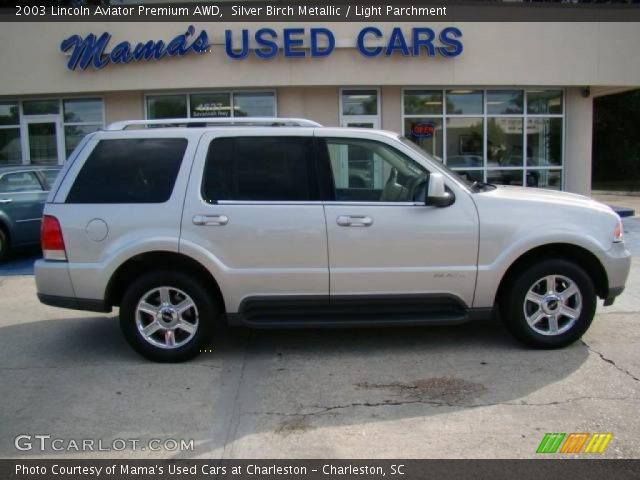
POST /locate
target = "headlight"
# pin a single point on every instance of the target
(618, 232)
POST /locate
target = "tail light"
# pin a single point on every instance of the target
(51, 239)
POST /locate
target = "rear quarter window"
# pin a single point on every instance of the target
(132, 170)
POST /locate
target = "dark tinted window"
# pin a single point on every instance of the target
(259, 168)
(139, 170)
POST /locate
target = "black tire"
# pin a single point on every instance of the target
(205, 305)
(512, 305)
(4, 245)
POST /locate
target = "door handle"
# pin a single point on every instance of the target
(6, 200)
(210, 220)
(354, 221)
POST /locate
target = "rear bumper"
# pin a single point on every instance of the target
(73, 303)
(54, 286)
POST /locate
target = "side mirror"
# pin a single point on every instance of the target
(437, 196)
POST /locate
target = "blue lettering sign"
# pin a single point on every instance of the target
(369, 52)
(228, 44)
(452, 47)
(289, 42)
(316, 51)
(397, 42)
(292, 45)
(265, 37)
(91, 49)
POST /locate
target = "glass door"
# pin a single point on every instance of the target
(43, 140)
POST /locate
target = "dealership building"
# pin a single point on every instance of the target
(508, 103)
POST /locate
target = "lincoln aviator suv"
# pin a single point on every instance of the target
(257, 222)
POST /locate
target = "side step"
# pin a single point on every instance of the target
(353, 311)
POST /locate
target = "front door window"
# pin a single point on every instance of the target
(383, 175)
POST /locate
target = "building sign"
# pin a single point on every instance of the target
(264, 43)
(423, 129)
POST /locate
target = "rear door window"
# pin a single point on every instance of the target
(132, 170)
(260, 169)
(17, 182)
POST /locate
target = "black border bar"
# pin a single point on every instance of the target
(328, 11)
(322, 469)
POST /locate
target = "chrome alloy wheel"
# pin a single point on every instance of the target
(553, 305)
(167, 317)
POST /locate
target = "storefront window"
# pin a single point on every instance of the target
(40, 107)
(261, 104)
(464, 102)
(82, 110)
(506, 177)
(504, 142)
(48, 128)
(167, 106)
(9, 113)
(10, 147)
(423, 102)
(464, 142)
(484, 133)
(544, 102)
(544, 142)
(359, 102)
(545, 178)
(81, 117)
(505, 102)
(427, 133)
(74, 133)
(210, 105)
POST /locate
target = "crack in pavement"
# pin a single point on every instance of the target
(610, 361)
(394, 403)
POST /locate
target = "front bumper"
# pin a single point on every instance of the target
(617, 264)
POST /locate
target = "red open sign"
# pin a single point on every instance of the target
(423, 129)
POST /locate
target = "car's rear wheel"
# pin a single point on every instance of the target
(550, 304)
(167, 316)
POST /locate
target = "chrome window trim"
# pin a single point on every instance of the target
(18, 193)
(29, 220)
(315, 202)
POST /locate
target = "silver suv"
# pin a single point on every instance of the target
(255, 222)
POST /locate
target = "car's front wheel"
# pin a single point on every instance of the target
(167, 316)
(550, 304)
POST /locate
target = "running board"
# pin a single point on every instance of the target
(353, 311)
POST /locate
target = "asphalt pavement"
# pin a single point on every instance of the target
(457, 392)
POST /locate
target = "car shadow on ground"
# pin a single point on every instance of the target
(77, 378)
(20, 262)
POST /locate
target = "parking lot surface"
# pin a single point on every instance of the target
(457, 392)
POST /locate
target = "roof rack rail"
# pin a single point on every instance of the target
(203, 122)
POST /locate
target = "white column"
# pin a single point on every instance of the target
(578, 141)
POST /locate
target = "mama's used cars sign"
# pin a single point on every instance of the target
(91, 50)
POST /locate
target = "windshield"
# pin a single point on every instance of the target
(418, 149)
